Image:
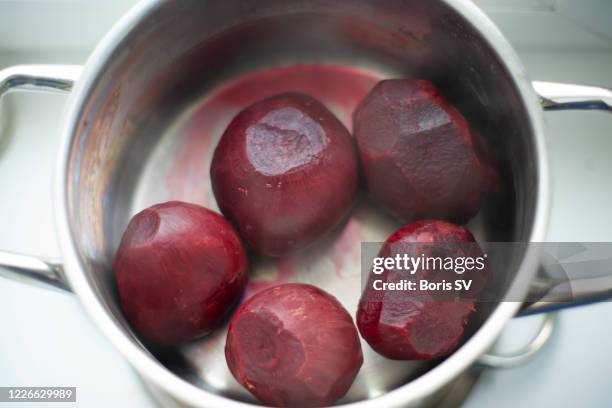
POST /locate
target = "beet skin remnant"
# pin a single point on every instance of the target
(293, 345)
(179, 268)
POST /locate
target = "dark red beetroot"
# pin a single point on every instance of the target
(285, 172)
(419, 325)
(179, 268)
(293, 345)
(418, 153)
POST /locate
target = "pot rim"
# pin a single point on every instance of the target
(155, 372)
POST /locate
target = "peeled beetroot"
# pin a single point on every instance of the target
(418, 153)
(179, 269)
(421, 324)
(285, 172)
(293, 345)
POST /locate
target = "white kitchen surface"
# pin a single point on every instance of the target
(46, 338)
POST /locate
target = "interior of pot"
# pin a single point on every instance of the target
(152, 120)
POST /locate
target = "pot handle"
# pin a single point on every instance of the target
(39, 78)
(555, 96)
(524, 354)
(558, 96)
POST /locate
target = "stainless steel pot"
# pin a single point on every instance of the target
(125, 133)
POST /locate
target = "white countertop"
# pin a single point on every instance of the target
(45, 336)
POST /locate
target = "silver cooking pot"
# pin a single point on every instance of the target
(124, 133)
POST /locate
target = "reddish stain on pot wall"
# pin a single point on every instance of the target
(347, 249)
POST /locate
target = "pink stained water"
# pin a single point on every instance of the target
(284, 270)
(346, 249)
(340, 88)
